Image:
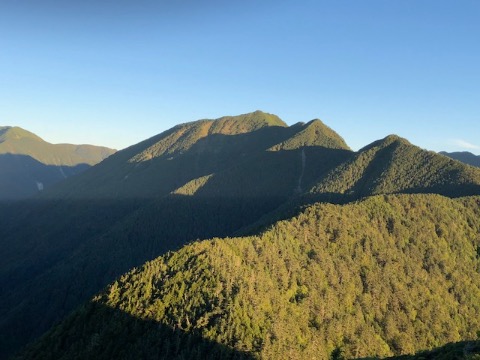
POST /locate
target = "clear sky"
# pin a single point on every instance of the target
(114, 72)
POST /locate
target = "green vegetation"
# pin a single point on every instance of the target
(315, 133)
(215, 179)
(384, 276)
(121, 213)
(393, 165)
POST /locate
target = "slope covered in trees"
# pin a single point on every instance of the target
(385, 276)
(205, 179)
(393, 165)
(163, 163)
(198, 180)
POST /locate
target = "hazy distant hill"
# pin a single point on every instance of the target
(28, 164)
(387, 275)
(464, 156)
(204, 179)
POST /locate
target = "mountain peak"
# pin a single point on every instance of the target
(183, 137)
(314, 133)
(233, 125)
(16, 133)
(386, 141)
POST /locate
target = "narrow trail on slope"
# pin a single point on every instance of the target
(304, 160)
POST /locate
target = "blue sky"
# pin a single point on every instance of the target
(114, 72)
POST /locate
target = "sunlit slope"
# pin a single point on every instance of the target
(393, 165)
(387, 275)
(29, 165)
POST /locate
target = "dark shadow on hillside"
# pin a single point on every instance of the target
(22, 176)
(462, 350)
(61, 253)
(283, 173)
(99, 332)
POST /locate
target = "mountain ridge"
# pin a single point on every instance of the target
(187, 184)
(193, 149)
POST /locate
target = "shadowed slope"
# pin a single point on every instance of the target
(22, 176)
(139, 339)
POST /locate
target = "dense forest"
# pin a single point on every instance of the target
(388, 275)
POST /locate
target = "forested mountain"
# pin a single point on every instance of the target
(163, 163)
(385, 276)
(146, 200)
(28, 164)
(204, 179)
(464, 156)
(393, 165)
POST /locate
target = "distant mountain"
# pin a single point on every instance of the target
(464, 156)
(28, 164)
(386, 276)
(204, 179)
